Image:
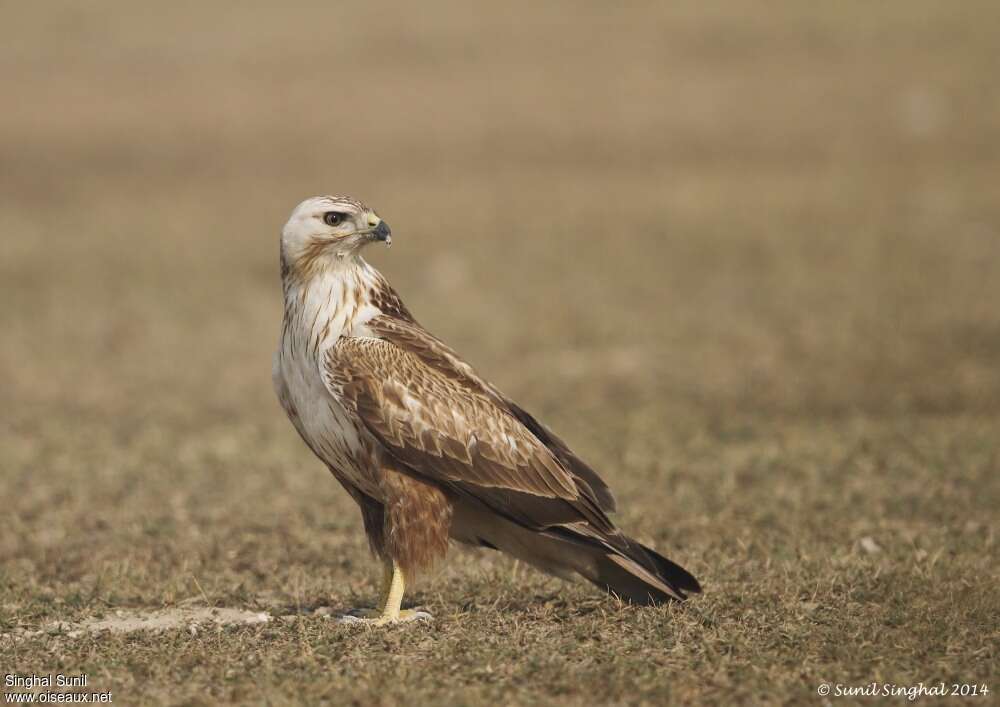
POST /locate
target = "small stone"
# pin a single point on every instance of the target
(869, 545)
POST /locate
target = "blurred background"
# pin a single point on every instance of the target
(792, 208)
(662, 227)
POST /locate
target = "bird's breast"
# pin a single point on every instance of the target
(314, 321)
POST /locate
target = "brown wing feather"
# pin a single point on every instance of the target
(448, 431)
(409, 335)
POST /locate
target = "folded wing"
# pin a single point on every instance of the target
(411, 337)
(448, 430)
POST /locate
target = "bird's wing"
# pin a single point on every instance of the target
(433, 352)
(452, 433)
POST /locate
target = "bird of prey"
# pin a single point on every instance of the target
(429, 449)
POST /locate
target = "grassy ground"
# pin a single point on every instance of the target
(747, 261)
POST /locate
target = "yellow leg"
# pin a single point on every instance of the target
(388, 612)
(388, 572)
(395, 585)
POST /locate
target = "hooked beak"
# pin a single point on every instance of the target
(381, 232)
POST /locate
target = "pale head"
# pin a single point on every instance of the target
(325, 229)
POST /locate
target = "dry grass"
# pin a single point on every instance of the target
(746, 260)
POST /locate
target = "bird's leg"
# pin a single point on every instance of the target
(392, 598)
(392, 593)
(388, 567)
(388, 611)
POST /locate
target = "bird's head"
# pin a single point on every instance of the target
(324, 229)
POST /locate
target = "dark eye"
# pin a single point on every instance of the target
(333, 218)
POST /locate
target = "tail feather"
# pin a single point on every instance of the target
(627, 568)
(642, 576)
(625, 579)
(612, 561)
(671, 571)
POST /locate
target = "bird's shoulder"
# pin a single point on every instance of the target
(384, 298)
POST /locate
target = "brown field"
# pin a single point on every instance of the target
(745, 258)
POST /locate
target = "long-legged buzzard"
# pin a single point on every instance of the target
(429, 449)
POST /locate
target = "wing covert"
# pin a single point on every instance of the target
(413, 338)
(450, 432)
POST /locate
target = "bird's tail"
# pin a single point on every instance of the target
(615, 563)
(625, 567)
(638, 574)
(643, 576)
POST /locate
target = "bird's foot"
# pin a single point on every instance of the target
(371, 617)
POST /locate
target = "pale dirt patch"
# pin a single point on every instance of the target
(130, 621)
(191, 619)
